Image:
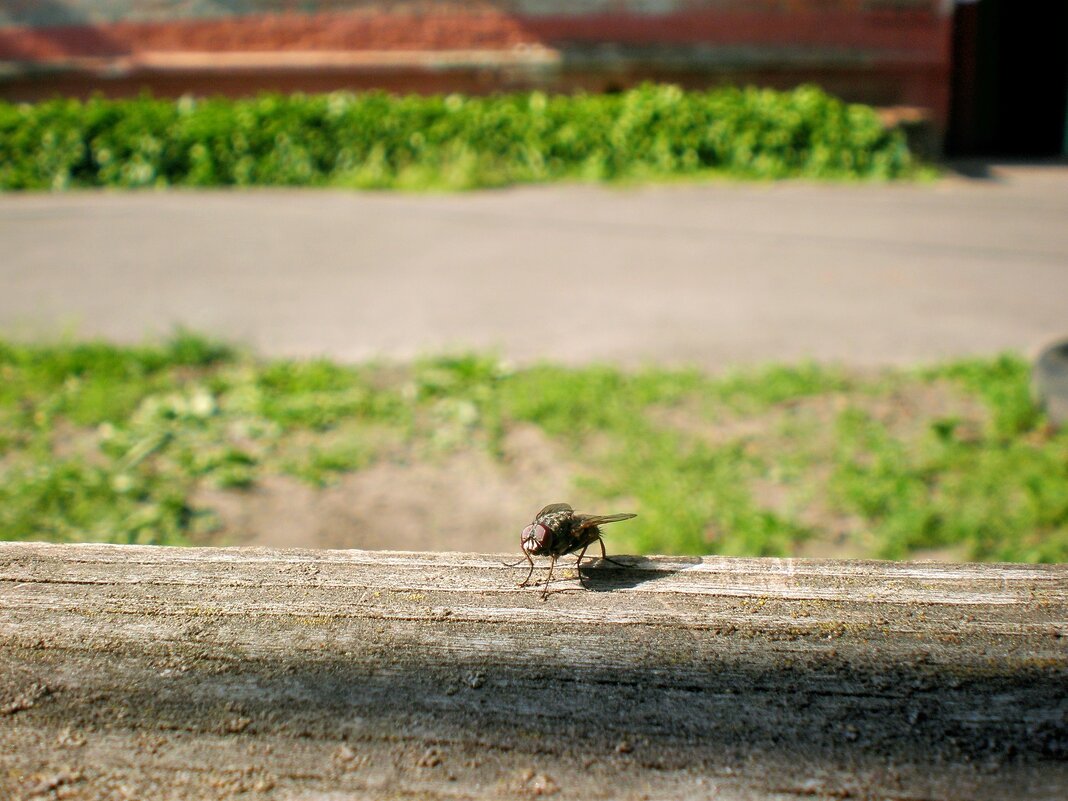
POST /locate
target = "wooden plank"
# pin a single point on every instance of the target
(165, 673)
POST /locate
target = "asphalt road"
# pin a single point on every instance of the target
(708, 275)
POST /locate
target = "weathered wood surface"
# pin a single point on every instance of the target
(164, 673)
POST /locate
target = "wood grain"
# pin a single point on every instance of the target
(165, 673)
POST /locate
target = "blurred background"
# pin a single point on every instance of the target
(987, 77)
(774, 274)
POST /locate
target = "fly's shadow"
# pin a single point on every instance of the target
(627, 572)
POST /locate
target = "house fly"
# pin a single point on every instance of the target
(557, 530)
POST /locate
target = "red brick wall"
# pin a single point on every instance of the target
(887, 52)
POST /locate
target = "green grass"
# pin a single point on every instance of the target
(107, 443)
(378, 141)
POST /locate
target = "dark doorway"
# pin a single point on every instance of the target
(1010, 79)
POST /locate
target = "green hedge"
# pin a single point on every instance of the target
(378, 140)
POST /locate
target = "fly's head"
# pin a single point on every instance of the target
(536, 539)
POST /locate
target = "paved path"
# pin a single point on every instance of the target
(712, 275)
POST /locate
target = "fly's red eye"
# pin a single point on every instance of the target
(535, 537)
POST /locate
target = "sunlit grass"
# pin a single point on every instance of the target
(107, 443)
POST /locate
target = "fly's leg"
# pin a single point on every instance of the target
(578, 565)
(604, 554)
(552, 564)
(530, 572)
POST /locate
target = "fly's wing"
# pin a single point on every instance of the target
(586, 529)
(586, 521)
(554, 507)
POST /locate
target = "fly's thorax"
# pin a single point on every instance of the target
(556, 522)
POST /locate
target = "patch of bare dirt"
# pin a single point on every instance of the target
(467, 500)
(909, 412)
(906, 412)
(73, 442)
(462, 501)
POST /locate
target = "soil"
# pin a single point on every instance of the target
(468, 501)
(463, 501)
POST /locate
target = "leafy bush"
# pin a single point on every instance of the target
(379, 141)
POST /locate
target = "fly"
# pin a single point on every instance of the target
(557, 530)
